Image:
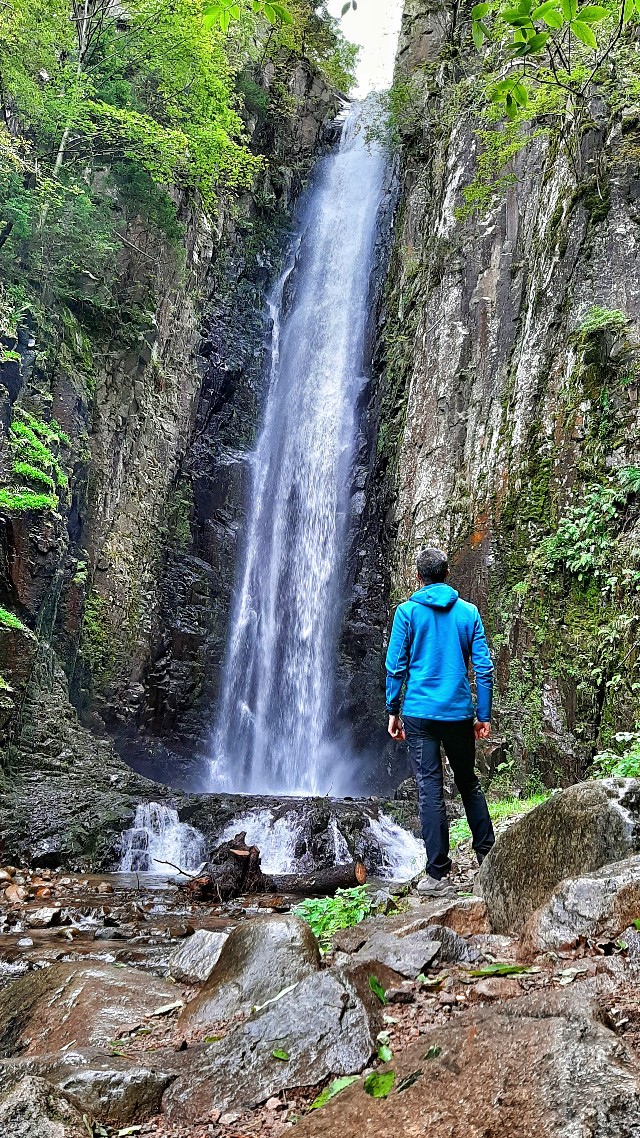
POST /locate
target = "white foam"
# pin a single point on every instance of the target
(158, 838)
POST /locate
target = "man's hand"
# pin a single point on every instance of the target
(482, 730)
(396, 730)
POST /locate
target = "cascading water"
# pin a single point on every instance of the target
(274, 727)
(158, 842)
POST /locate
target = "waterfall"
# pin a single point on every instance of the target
(157, 838)
(274, 731)
(389, 851)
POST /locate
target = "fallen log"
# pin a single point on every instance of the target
(234, 870)
(318, 884)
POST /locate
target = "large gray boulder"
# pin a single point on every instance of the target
(326, 1026)
(599, 905)
(35, 1109)
(260, 959)
(541, 1065)
(574, 832)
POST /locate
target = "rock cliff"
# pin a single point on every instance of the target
(508, 390)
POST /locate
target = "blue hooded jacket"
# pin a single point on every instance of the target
(434, 636)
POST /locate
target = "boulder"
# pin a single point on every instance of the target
(80, 1005)
(194, 961)
(597, 906)
(574, 832)
(543, 1064)
(35, 1109)
(326, 1026)
(407, 955)
(259, 959)
(112, 1090)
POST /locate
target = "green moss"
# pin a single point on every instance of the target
(97, 641)
(24, 470)
(10, 620)
(19, 501)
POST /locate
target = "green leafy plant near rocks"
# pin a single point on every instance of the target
(38, 479)
(622, 759)
(326, 915)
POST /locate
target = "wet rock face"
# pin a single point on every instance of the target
(576, 831)
(507, 1070)
(326, 1026)
(492, 422)
(76, 1005)
(259, 960)
(598, 906)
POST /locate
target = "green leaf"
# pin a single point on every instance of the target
(408, 1081)
(569, 9)
(332, 1090)
(512, 107)
(520, 94)
(343, 11)
(554, 19)
(515, 19)
(377, 989)
(478, 34)
(583, 32)
(224, 19)
(537, 42)
(385, 1054)
(591, 13)
(433, 1052)
(282, 13)
(278, 1054)
(636, 923)
(378, 1084)
(500, 968)
(479, 11)
(543, 9)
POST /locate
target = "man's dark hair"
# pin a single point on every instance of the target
(432, 566)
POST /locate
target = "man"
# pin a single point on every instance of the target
(434, 636)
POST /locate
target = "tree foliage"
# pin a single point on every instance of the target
(557, 44)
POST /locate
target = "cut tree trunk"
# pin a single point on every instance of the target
(234, 870)
(318, 884)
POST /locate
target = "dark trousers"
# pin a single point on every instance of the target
(424, 737)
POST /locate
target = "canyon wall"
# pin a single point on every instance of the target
(508, 390)
(115, 596)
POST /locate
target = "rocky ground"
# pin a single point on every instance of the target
(130, 1008)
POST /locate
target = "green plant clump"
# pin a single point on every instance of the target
(598, 319)
(326, 915)
(623, 761)
(10, 620)
(505, 808)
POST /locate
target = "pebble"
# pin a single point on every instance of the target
(105, 887)
(229, 1118)
(24, 942)
(275, 1104)
(399, 996)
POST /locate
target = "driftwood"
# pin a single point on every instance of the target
(234, 869)
(320, 883)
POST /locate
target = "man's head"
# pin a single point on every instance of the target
(432, 566)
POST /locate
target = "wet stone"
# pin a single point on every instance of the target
(326, 1026)
(194, 961)
(258, 961)
(35, 1109)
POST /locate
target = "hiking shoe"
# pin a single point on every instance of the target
(434, 887)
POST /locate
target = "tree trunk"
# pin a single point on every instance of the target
(319, 884)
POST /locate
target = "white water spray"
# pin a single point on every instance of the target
(158, 838)
(274, 732)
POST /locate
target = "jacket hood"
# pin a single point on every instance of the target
(440, 596)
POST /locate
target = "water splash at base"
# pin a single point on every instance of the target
(158, 838)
